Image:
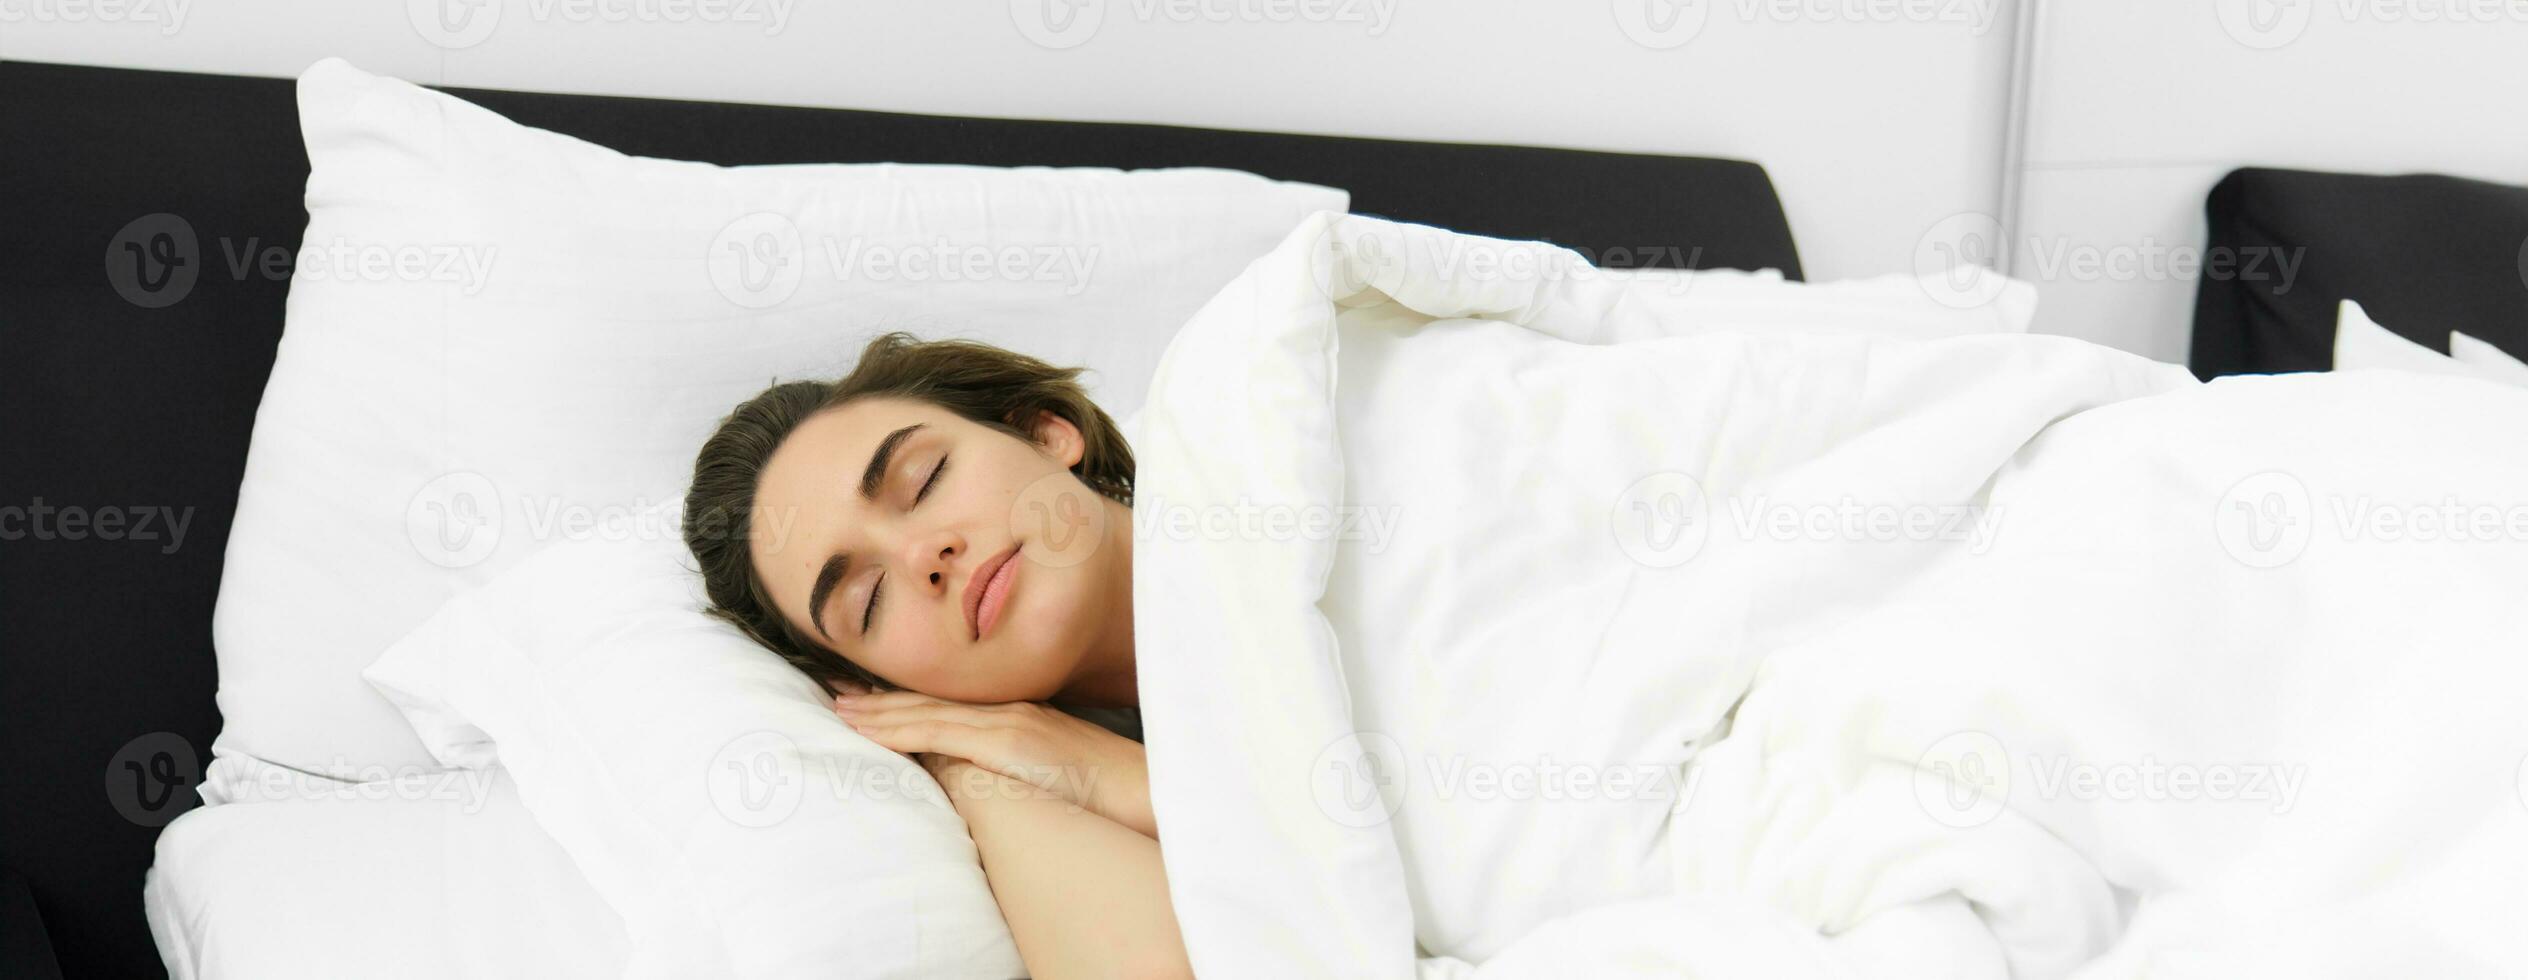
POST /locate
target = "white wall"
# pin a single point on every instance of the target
(2139, 106)
(1872, 130)
(1876, 131)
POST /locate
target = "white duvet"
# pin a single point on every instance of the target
(1498, 618)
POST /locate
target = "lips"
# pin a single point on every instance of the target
(987, 591)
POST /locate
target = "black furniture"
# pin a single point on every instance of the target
(106, 666)
(2422, 254)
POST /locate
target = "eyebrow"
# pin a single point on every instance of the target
(871, 478)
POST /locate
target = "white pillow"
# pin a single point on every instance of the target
(702, 784)
(499, 337)
(2362, 344)
(431, 876)
(2492, 362)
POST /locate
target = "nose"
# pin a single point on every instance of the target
(930, 556)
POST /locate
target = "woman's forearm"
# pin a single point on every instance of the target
(1084, 896)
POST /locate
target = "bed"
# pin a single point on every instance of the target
(2415, 250)
(107, 708)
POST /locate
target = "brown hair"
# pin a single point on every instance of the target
(979, 382)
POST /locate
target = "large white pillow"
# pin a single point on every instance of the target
(2362, 344)
(426, 877)
(499, 337)
(703, 785)
(2489, 360)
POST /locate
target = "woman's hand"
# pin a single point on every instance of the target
(1093, 768)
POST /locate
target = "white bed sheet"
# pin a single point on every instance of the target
(430, 876)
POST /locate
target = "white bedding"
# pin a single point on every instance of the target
(443, 875)
(1985, 656)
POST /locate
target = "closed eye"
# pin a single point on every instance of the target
(869, 613)
(935, 471)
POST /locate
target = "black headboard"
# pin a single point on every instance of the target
(110, 404)
(2423, 255)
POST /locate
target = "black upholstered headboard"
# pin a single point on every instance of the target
(2423, 254)
(105, 640)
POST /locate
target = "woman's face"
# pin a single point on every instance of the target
(908, 540)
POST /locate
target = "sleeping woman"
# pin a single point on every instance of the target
(863, 529)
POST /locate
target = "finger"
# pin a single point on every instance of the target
(962, 714)
(885, 700)
(941, 737)
(852, 687)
